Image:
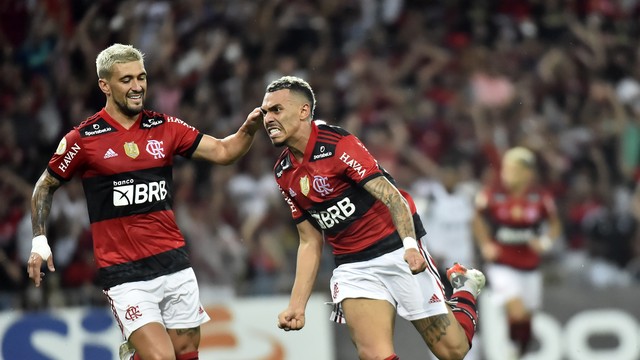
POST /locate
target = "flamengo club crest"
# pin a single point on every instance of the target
(304, 185)
(154, 147)
(131, 149)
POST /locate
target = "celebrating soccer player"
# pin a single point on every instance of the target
(124, 155)
(337, 191)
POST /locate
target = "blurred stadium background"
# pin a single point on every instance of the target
(417, 81)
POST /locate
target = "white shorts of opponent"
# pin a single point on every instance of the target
(388, 277)
(172, 300)
(507, 283)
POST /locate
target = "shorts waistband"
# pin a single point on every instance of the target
(384, 246)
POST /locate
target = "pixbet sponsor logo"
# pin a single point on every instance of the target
(127, 192)
(322, 154)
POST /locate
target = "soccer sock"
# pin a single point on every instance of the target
(520, 333)
(463, 306)
(392, 357)
(188, 356)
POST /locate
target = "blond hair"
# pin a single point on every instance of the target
(521, 155)
(116, 54)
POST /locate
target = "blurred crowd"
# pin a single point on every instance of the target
(420, 82)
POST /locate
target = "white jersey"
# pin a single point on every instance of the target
(447, 218)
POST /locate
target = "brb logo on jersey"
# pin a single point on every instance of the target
(127, 192)
(334, 214)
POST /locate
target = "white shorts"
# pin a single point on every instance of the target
(508, 283)
(172, 300)
(388, 277)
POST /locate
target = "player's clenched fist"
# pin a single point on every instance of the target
(291, 320)
(416, 261)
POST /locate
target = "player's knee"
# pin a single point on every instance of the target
(184, 347)
(519, 315)
(451, 352)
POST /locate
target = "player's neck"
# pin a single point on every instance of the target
(297, 154)
(299, 142)
(519, 190)
(117, 115)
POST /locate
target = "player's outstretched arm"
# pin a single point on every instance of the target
(231, 148)
(307, 264)
(40, 208)
(386, 192)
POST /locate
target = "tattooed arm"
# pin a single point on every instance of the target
(401, 215)
(40, 208)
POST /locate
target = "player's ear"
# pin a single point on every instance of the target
(104, 86)
(305, 111)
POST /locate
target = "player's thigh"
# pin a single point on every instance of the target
(506, 283)
(136, 304)
(534, 284)
(371, 325)
(151, 341)
(182, 311)
(443, 334)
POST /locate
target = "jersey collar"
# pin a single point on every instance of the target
(105, 115)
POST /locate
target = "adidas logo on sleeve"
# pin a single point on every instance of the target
(110, 153)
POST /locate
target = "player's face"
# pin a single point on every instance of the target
(128, 87)
(514, 174)
(283, 112)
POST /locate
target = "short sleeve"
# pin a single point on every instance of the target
(186, 136)
(68, 157)
(549, 204)
(359, 165)
(296, 213)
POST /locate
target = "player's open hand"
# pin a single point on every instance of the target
(34, 266)
(291, 320)
(417, 262)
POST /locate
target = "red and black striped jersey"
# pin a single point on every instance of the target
(327, 188)
(127, 180)
(514, 221)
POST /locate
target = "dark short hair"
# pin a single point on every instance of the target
(297, 85)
